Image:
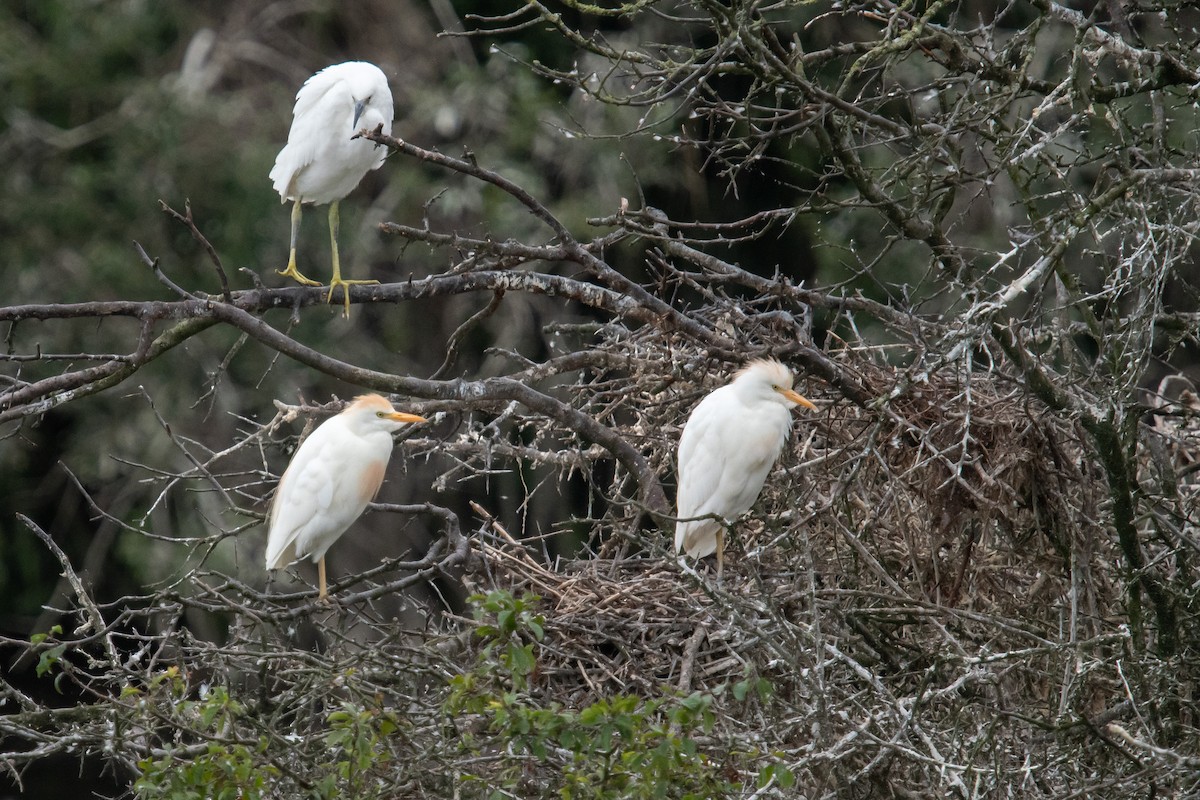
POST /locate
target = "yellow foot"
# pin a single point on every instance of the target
(333, 284)
(294, 274)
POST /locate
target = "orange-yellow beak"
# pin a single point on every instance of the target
(797, 398)
(400, 416)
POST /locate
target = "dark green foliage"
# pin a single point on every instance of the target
(617, 747)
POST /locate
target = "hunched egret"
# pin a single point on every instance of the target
(322, 162)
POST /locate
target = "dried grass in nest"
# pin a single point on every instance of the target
(627, 626)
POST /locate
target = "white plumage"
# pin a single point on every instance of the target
(322, 162)
(727, 448)
(335, 472)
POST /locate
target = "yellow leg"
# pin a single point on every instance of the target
(337, 264)
(291, 271)
(323, 591)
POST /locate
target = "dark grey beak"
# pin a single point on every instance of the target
(358, 109)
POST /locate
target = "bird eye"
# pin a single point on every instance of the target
(379, 413)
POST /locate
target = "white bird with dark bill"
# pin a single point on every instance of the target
(335, 472)
(728, 446)
(322, 162)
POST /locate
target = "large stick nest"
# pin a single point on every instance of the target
(928, 591)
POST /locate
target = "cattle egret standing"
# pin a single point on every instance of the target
(728, 446)
(335, 472)
(322, 162)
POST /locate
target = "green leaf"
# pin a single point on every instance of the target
(521, 659)
(49, 658)
(38, 638)
(591, 714)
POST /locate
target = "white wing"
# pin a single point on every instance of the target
(725, 454)
(310, 116)
(699, 474)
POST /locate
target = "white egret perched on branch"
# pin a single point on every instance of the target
(322, 162)
(335, 472)
(728, 446)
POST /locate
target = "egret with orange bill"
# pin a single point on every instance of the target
(335, 472)
(729, 444)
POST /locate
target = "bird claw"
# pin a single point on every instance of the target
(336, 282)
(294, 274)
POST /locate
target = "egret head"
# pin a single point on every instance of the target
(370, 412)
(769, 380)
(369, 92)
